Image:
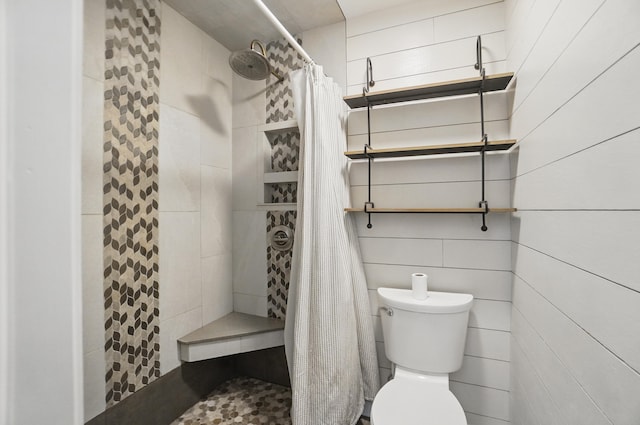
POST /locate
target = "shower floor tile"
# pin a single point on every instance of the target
(243, 401)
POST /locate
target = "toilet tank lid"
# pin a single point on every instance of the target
(436, 302)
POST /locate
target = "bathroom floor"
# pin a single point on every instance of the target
(243, 401)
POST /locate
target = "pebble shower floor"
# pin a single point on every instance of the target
(243, 401)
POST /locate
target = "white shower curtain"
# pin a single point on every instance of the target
(329, 337)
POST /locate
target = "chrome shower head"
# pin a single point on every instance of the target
(251, 63)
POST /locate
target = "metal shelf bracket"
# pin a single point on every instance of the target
(370, 81)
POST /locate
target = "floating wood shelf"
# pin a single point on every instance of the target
(493, 82)
(433, 210)
(497, 145)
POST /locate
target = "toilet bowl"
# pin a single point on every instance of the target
(410, 399)
(425, 340)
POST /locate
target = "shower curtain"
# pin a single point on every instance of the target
(329, 337)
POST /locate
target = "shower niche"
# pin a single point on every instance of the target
(278, 147)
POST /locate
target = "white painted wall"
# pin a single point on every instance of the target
(194, 184)
(39, 212)
(575, 317)
(418, 43)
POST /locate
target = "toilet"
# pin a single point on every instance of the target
(425, 340)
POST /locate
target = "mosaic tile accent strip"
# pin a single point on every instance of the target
(285, 151)
(130, 196)
(284, 193)
(278, 266)
(284, 59)
(242, 401)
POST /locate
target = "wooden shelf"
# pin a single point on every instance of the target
(429, 91)
(433, 210)
(497, 145)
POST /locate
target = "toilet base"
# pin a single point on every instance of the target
(412, 398)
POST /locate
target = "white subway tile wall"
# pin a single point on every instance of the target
(575, 326)
(418, 43)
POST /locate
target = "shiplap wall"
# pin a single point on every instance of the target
(418, 43)
(575, 346)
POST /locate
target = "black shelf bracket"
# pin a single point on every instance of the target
(367, 207)
(369, 162)
(370, 82)
(485, 206)
(480, 67)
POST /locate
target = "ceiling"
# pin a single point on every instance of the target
(234, 23)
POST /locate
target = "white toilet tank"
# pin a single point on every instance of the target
(424, 335)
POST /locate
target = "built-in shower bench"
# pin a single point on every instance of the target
(232, 334)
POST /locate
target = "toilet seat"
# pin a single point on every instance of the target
(415, 402)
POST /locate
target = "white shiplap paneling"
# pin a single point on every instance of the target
(482, 400)
(584, 180)
(419, 43)
(575, 345)
(469, 23)
(485, 372)
(601, 242)
(589, 54)
(484, 284)
(408, 13)
(434, 169)
(611, 384)
(429, 195)
(393, 39)
(443, 226)
(422, 60)
(426, 115)
(565, 133)
(548, 379)
(435, 135)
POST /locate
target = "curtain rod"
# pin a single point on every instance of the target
(274, 20)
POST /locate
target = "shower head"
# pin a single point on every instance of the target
(251, 63)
